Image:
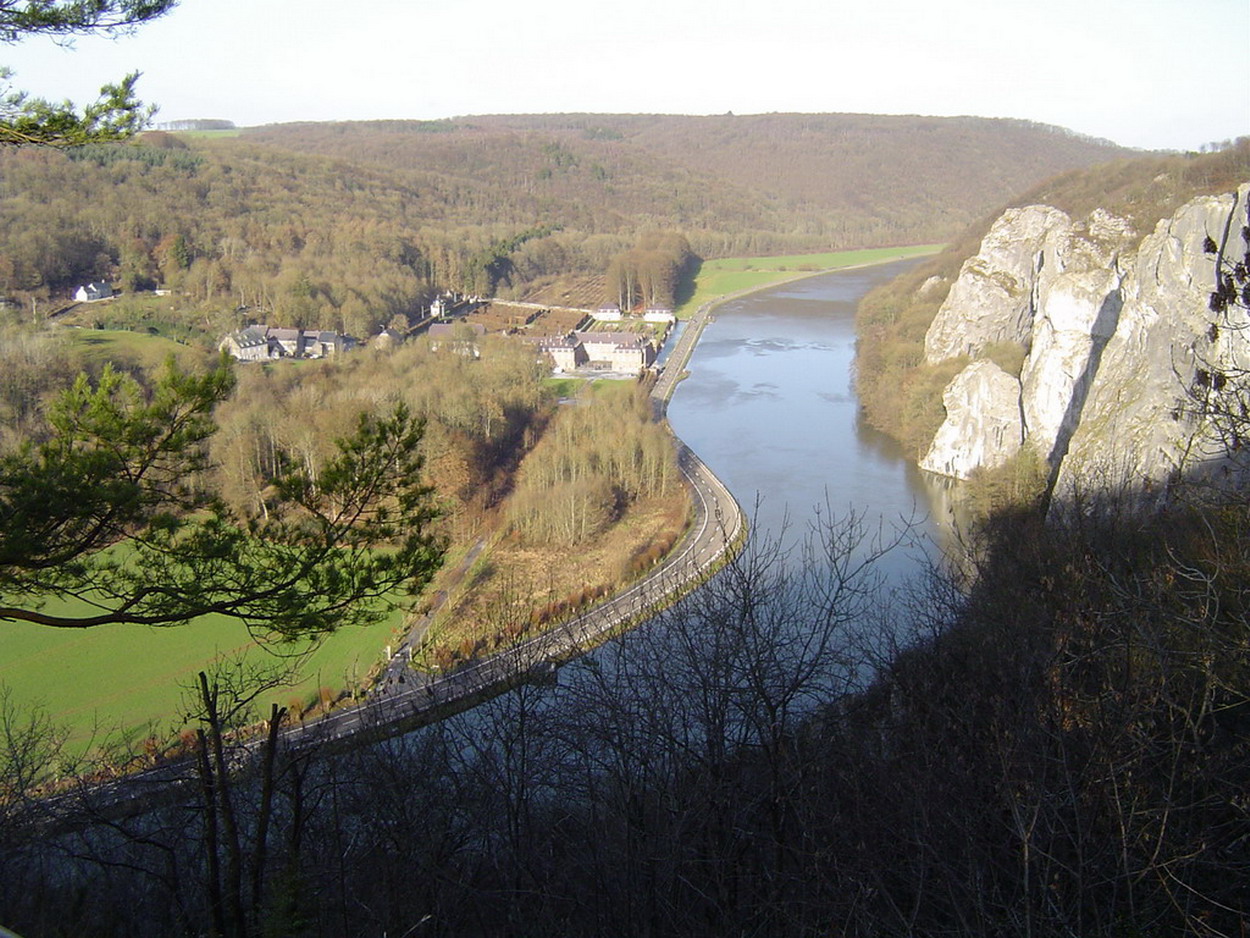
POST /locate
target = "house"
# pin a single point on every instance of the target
(247, 345)
(321, 344)
(285, 342)
(96, 290)
(460, 336)
(261, 343)
(617, 351)
(387, 338)
(566, 351)
(659, 314)
(609, 312)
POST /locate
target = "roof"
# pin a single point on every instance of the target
(252, 335)
(619, 339)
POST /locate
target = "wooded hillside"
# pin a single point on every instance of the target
(785, 180)
(347, 226)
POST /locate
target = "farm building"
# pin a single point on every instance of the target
(612, 351)
(620, 351)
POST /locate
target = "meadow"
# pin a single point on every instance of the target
(126, 683)
(729, 275)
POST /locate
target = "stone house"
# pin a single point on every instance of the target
(247, 345)
(262, 343)
(566, 351)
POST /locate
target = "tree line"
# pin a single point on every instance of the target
(651, 273)
(598, 454)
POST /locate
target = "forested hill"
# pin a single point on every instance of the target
(348, 226)
(746, 184)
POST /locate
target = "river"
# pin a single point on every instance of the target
(770, 406)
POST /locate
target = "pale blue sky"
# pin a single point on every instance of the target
(1144, 73)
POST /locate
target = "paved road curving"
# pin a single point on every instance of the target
(405, 698)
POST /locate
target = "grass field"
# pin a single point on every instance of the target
(729, 275)
(117, 345)
(124, 681)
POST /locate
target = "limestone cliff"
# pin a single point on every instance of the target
(993, 299)
(983, 425)
(1117, 332)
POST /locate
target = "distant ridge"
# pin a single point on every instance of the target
(197, 124)
(824, 180)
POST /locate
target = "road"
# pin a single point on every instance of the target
(404, 699)
(717, 529)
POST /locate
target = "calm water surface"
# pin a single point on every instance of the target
(770, 406)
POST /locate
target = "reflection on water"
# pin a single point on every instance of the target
(770, 406)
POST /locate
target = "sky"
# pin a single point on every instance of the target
(1153, 74)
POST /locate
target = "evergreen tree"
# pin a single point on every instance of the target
(106, 511)
(27, 121)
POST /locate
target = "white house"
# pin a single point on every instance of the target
(96, 290)
(620, 351)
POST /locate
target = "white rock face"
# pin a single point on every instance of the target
(1079, 303)
(1117, 332)
(983, 426)
(1138, 424)
(993, 298)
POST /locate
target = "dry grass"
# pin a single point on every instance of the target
(517, 588)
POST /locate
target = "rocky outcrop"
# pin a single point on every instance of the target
(983, 425)
(992, 301)
(1141, 421)
(1078, 307)
(1117, 332)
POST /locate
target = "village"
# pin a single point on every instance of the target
(601, 342)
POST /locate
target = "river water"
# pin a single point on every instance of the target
(770, 406)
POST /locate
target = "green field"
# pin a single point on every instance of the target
(125, 681)
(730, 275)
(119, 345)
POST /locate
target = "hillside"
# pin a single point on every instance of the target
(353, 226)
(809, 180)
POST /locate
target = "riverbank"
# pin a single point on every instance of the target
(726, 275)
(731, 277)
